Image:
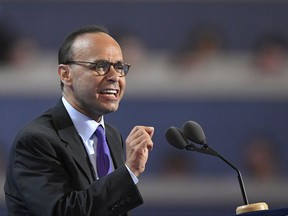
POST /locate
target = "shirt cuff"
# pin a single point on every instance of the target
(133, 176)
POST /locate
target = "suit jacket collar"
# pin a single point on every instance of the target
(69, 135)
(116, 145)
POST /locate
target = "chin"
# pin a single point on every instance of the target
(111, 109)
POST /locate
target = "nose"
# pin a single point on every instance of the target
(113, 75)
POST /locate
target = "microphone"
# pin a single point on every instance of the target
(176, 138)
(180, 140)
(194, 132)
(192, 136)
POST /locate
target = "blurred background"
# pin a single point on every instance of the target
(221, 63)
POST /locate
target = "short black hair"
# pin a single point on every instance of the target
(65, 53)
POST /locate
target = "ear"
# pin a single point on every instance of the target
(65, 74)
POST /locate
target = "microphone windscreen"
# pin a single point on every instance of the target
(194, 132)
(176, 138)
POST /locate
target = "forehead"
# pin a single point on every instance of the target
(96, 46)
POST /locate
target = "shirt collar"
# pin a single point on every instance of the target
(85, 126)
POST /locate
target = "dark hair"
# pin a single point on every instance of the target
(65, 52)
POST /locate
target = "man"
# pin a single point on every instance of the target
(52, 168)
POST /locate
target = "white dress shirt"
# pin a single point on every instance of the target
(86, 127)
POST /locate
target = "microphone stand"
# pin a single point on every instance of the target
(240, 179)
(241, 209)
(208, 150)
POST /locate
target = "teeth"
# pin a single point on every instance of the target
(109, 91)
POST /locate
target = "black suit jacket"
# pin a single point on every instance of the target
(49, 172)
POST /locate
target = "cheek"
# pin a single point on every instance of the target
(123, 87)
(84, 85)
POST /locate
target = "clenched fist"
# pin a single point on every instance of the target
(138, 144)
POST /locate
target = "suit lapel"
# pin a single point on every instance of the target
(69, 135)
(115, 144)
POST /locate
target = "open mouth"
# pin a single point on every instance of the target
(110, 92)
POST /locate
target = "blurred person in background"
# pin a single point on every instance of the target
(132, 45)
(178, 165)
(54, 165)
(270, 56)
(15, 49)
(202, 44)
(262, 157)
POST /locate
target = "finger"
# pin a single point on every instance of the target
(150, 146)
(136, 134)
(145, 141)
(149, 130)
(133, 131)
(139, 130)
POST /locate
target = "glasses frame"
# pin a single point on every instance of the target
(94, 65)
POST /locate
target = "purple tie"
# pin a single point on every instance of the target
(102, 157)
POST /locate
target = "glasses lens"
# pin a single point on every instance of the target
(119, 67)
(102, 67)
(122, 68)
(126, 68)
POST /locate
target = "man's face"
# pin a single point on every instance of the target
(90, 93)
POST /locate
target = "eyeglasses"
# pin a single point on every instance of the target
(102, 67)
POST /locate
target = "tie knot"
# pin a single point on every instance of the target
(100, 133)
